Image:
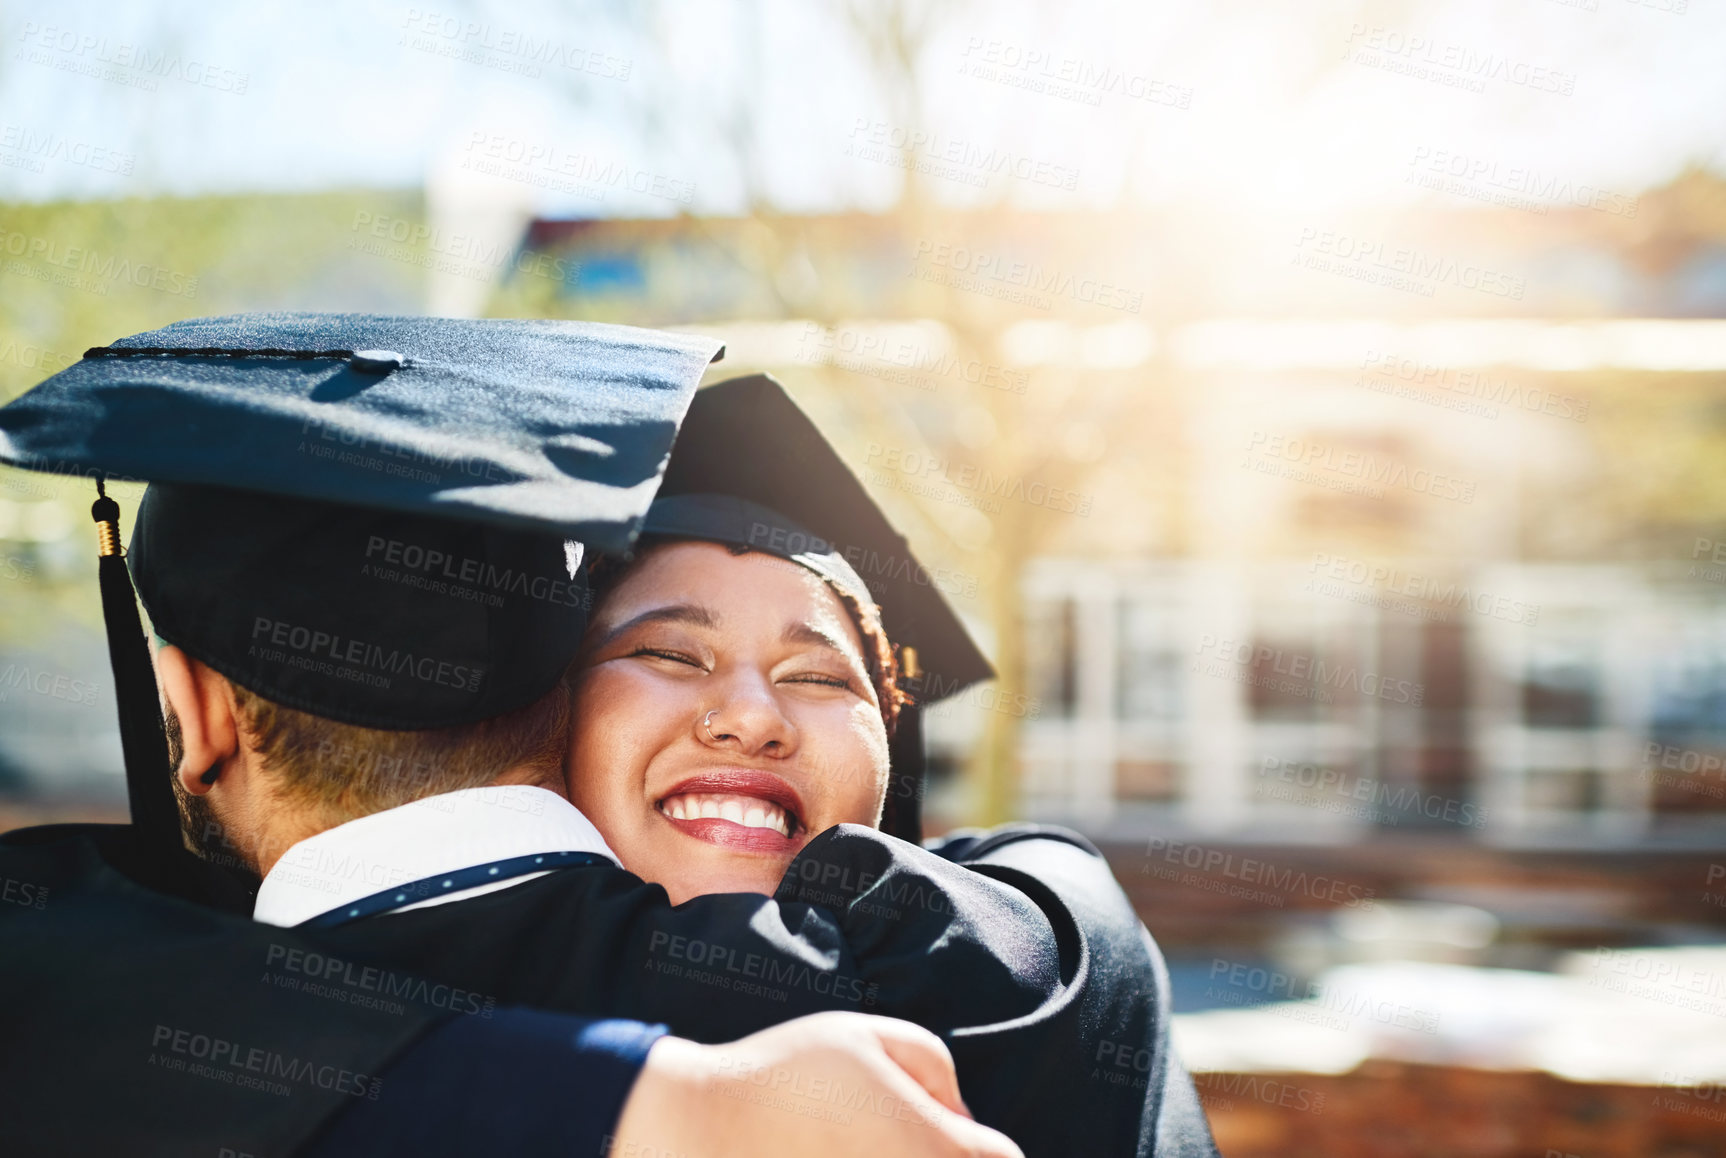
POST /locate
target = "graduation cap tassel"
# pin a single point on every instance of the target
(903, 816)
(155, 815)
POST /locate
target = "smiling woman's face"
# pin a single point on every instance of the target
(724, 715)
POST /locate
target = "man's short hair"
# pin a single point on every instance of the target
(341, 771)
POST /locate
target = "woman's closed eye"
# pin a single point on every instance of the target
(668, 655)
(820, 679)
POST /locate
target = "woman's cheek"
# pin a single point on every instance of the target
(855, 745)
(875, 753)
(608, 756)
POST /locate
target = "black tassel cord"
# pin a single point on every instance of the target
(155, 815)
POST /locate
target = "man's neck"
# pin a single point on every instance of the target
(286, 825)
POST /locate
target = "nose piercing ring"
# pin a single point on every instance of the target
(707, 722)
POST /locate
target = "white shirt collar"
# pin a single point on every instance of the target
(437, 834)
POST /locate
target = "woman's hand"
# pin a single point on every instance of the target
(830, 1085)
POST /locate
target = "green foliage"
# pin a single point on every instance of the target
(80, 274)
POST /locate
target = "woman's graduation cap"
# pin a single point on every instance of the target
(374, 519)
(750, 468)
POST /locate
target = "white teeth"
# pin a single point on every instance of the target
(746, 811)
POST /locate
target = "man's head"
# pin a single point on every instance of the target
(322, 662)
(729, 706)
(253, 777)
(371, 520)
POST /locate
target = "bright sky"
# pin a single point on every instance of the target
(1288, 106)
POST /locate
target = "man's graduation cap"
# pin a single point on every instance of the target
(374, 519)
(750, 468)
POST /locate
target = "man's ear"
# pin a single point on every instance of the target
(201, 699)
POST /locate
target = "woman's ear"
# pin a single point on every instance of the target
(200, 699)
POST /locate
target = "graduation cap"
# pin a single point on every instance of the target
(374, 519)
(750, 468)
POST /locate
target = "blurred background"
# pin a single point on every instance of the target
(1319, 411)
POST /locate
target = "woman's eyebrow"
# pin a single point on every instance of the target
(808, 633)
(692, 614)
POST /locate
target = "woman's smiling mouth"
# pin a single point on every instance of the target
(741, 808)
(748, 811)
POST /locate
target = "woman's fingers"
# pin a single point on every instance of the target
(922, 1055)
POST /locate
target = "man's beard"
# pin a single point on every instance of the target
(199, 829)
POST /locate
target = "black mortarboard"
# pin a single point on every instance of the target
(368, 518)
(749, 467)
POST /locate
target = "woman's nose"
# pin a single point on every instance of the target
(745, 715)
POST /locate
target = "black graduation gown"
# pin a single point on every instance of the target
(1025, 956)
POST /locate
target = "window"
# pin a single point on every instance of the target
(1050, 630)
(1560, 685)
(1148, 685)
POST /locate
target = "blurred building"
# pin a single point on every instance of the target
(1363, 543)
